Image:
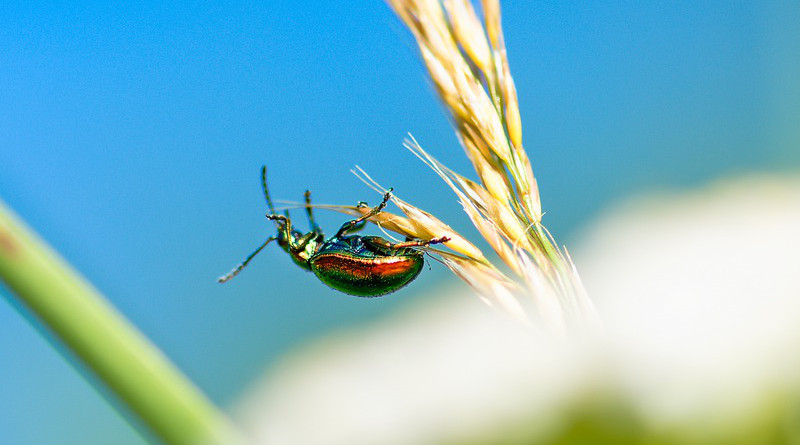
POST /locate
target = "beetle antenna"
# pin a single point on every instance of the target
(266, 190)
(241, 266)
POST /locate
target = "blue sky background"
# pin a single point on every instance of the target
(131, 136)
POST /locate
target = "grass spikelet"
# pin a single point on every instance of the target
(494, 288)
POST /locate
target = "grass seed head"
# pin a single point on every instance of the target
(469, 67)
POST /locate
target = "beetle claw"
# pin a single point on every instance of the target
(440, 240)
(388, 195)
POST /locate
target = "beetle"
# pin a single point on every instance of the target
(365, 266)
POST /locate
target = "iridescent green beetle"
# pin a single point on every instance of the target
(366, 266)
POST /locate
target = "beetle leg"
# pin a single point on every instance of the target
(419, 243)
(412, 243)
(241, 266)
(314, 227)
(358, 227)
(301, 243)
(284, 228)
(350, 225)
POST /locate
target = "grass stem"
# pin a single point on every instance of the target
(121, 357)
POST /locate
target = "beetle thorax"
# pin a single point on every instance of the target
(300, 247)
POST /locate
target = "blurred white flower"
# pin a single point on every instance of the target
(700, 298)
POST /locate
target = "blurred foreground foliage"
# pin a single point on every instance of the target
(609, 420)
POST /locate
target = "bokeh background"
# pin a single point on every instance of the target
(131, 136)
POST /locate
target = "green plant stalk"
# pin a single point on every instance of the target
(119, 355)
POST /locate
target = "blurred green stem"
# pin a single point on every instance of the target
(119, 355)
